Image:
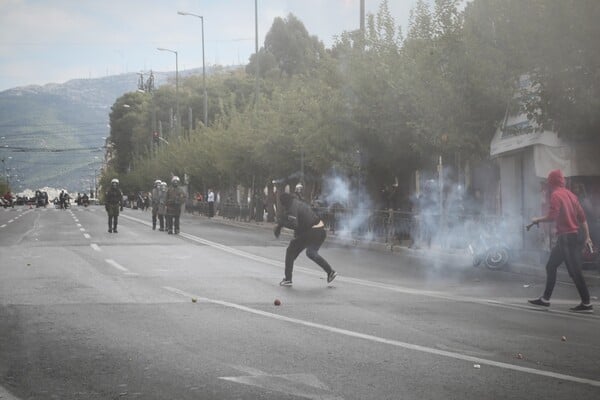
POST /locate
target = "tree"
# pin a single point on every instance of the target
(293, 49)
(553, 42)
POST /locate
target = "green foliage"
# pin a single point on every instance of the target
(376, 105)
(556, 44)
(293, 49)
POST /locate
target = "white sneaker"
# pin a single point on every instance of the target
(331, 276)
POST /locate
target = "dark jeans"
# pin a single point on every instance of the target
(112, 222)
(311, 241)
(568, 250)
(154, 216)
(173, 222)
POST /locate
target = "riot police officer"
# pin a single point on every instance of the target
(113, 200)
(155, 202)
(174, 200)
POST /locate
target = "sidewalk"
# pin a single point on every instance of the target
(592, 277)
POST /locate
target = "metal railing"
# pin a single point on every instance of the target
(389, 226)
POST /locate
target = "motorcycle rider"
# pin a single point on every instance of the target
(174, 199)
(62, 199)
(113, 200)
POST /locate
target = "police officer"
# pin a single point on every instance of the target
(174, 200)
(162, 205)
(155, 200)
(113, 200)
(299, 191)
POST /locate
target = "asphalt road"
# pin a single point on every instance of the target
(85, 314)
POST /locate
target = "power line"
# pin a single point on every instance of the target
(19, 149)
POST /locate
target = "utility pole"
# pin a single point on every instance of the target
(256, 51)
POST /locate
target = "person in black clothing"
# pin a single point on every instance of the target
(309, 234)
(113, 199)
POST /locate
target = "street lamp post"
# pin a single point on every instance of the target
(203, 66)
(6, 174)
(176, 84)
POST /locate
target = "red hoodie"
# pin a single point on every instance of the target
(564, 205)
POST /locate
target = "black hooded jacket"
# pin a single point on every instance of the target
(297, 215)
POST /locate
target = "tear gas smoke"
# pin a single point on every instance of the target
(351, 213)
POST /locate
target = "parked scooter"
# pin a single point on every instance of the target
(488, 248)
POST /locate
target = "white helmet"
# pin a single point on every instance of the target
(157, 182)
(115, 180)
(299, 187)
(175, 179)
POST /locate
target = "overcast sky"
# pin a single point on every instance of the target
(53, 41)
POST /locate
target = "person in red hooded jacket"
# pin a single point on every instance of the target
(568, 214)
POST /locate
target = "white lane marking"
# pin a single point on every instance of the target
(306, 386)
(2, 226)
(87, 236)
(395, 343)
(10, 221)
(95, 247)
(116, 265)
(79, 225)
(82, 229)
(378, 285)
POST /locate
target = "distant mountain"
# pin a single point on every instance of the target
(52, 135)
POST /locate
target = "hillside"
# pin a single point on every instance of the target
(52, 135)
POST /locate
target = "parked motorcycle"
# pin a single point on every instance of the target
(488, 248)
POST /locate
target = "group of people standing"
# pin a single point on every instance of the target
(166, 205)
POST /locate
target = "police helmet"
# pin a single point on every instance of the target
(299, 187)
(157, 182)
(115, 180)
(175, 179)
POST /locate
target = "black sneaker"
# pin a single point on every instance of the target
(582, 308)
(540, 302)
(285, 282)
(110, 231)
(115, 230)
(331, 276)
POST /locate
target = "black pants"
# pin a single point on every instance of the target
(311, 241)
(211, 209)
(173, 223)
(568, 250)
(112, 222)
(154, 215)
